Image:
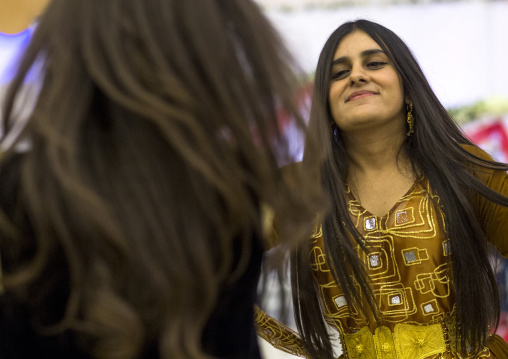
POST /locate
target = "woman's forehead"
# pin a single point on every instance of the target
(354, 44)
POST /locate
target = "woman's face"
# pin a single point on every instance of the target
(365, 89)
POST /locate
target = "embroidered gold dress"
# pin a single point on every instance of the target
(408, 263)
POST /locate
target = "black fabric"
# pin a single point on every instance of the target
(230, 333)
(18, 340)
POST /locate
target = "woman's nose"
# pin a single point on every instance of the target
(358, 75)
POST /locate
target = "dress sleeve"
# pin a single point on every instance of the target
(493, 217)
(278, 335)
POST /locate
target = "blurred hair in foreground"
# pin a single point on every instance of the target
(154, 146)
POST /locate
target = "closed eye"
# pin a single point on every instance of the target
(376, 65)
(340, 74)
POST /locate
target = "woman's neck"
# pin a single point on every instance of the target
(379, 173)
(370, 152)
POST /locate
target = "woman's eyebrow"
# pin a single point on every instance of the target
(343, 59)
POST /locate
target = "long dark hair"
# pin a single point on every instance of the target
(153, 147)
(435, 151)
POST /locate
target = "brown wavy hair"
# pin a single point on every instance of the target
(153, 145)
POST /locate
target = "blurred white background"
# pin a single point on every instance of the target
(461, 45)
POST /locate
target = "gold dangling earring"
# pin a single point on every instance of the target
(410, 118)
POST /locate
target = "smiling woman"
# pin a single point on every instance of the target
(365, 89)
(400, 267)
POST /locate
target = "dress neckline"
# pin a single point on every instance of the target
(395, 205)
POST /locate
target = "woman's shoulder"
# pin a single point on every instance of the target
(484, 166)
(477, 151)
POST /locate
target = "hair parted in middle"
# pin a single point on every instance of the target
(435, 152)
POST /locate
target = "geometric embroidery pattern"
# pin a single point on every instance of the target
(410, 235)
(408, 239)
(407, 262)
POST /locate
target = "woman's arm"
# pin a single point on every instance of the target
(278, 335)
(492, 217)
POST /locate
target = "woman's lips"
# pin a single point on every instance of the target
(359, 94)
